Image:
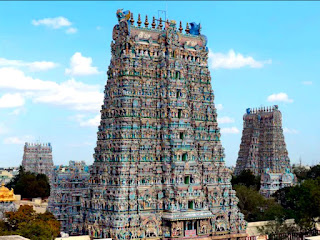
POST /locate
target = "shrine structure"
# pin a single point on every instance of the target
(159, 170)
(263, 149)
(7, 199)
(37, 158)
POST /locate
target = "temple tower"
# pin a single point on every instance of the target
(263, 149)
(68, 186)
(37, 158)
(158, 168)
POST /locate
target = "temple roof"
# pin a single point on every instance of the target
(6, 195)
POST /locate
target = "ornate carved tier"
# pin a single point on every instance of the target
(159, 170)
(263, 149)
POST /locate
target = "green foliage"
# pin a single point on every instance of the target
(277, 227)
(314, 172)
(256, 207)
(300, 171)
(303, 173)
(26, 222)
(246, 178)
(30, 185)
(301, 202)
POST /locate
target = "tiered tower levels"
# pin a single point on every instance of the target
(159, 167)
(37, 158)
(262, 143)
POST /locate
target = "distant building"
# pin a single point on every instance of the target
(68, 185)
(272, 182)
(37, 158)
(38, 205)
(263, 149)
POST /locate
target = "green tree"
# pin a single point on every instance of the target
(301, 202)
(30, 185)
(300, 171)
(255, 207)
(246, 178)
(314, 172)
(26, 222)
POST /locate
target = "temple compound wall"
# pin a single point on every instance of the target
(68, 186)
(37, 158)
(159, 170)
(263, 149)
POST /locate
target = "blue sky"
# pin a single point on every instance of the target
(54, 55)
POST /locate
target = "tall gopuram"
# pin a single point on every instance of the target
(159, 170)
(263, 149)
(37, 158)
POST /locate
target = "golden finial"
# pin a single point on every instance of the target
(146, 23)
(139, 21)
(131, 19)
(153, 23)
(180, 28)
(160, 24)
(187, 28)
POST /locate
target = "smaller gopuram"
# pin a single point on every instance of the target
(263, 149)
(68, 186)
(7, 199)
(37, 158)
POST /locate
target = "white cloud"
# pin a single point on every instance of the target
(279, 97)
(42, 66)
(307, 82)
(18, 140)
(11, 100)
(55, 23)
(231, 130)
(225, 120)
(219, 106)
(81, 66)
(33, 66)
(72, 94)
(233, 60)
(89, 122)
(12, 78)
(290, 131)
(71, 30)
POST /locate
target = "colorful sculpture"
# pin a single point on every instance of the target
(158, 168)
(263, 149)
